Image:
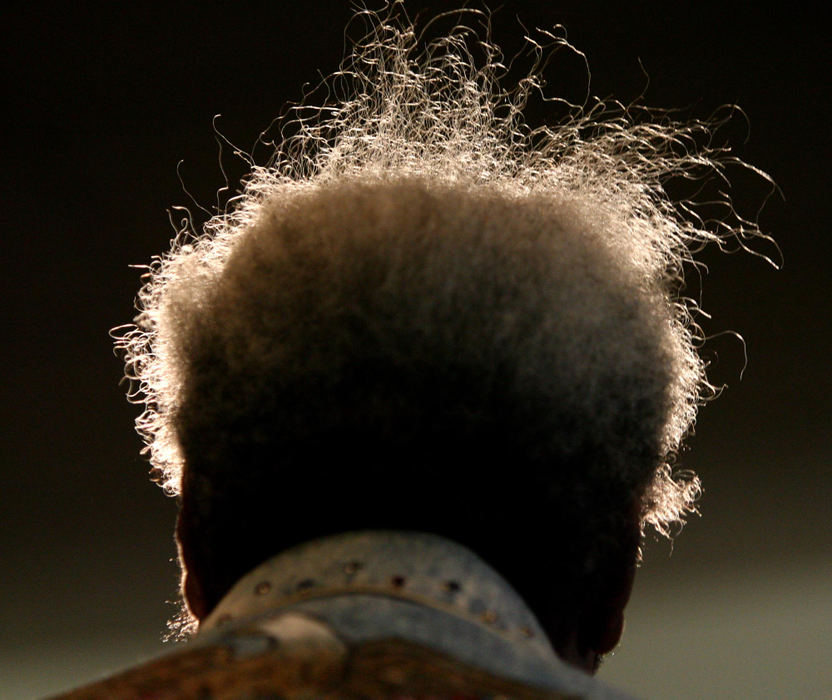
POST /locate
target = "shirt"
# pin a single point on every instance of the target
(370, 614)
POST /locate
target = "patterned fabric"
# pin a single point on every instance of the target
(364, 615)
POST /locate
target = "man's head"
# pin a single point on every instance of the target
(406, 355)
(426, 316)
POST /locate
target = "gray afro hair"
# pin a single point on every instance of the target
(417, 219)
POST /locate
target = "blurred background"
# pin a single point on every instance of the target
(103, 104)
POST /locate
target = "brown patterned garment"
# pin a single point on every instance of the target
(296, 670)
(363, 615)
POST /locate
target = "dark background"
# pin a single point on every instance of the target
(102, 104)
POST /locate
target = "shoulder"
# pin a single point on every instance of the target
(303, 658)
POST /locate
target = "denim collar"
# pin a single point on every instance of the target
(375, 585)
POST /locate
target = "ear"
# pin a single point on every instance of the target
(602, 629)
(191, 589)
(193, 596)
(609, 635)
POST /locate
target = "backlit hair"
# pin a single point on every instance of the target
(415, 226)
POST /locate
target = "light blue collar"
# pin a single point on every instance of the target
(373, 585)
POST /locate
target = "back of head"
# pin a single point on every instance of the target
(423, 315)
(405, 356)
